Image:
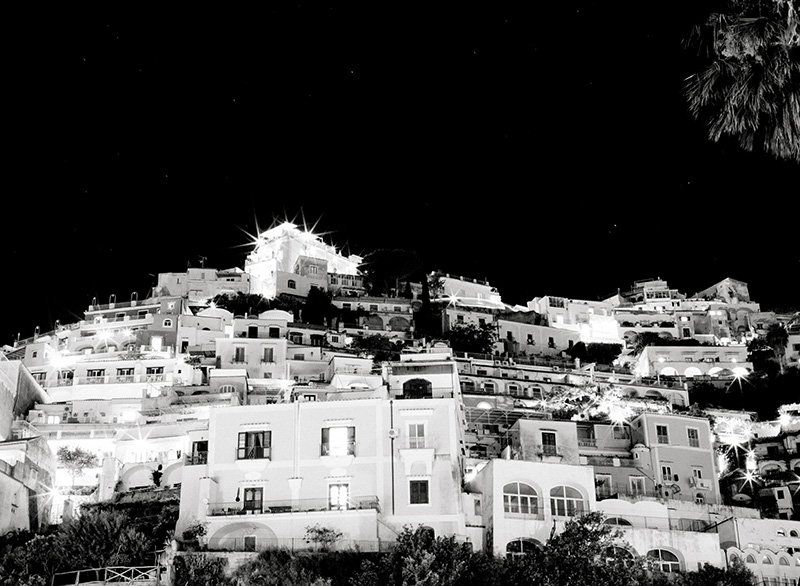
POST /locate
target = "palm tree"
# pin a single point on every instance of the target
(751, 90)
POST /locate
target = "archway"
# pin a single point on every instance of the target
(692, 371)
(417, 388)
(243, 536)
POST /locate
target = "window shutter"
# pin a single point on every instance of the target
(324, 435)
(242, 439)
(351, 435)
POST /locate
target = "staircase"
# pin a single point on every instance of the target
(116, 575)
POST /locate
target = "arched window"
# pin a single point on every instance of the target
(782, 561)
(699, 499)
(521, 546)
(734, 557)
(536, 393)
(619, 554)
(291, 284)
(618, 521)
(767, 561)
(490, 387)
(519, 497)
(514, 390)
(467, 386)
(750, 559)
(664, 561)
(227, 389)
(781, 531)
(792, 533)
(565, 501)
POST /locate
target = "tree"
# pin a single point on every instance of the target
(645, 339)
(751, 89)
(318, 308)
(735, 575)
(242, 303)
(76, 460)
(587, 552)
(385, 269)
(471, 338)
(603, 353)
(380, 348)
(778, 340)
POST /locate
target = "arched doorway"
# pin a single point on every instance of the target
(417, 388)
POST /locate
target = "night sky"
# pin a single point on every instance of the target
(544, 148)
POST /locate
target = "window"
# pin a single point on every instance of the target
(662, 434)
(521, 546)
(510, 336)
(482, 322)
(167, 323)
(373, 307)
(125, 375)
(199, 453)
(783, 561)
(253, 499)
(697, 472)
(53, 419)
(226, 389)
(268, 355)
(274, 332)
(95, 375)
(549, 443)
(338, 441)
(565, 501)
(254, 445)
(514, 390)
(312, 270)
(398, 309)
(291, 284)
(338, 496)
(767, 560)
(530, 339)
(603, 485)
(346, 306)
(636, 484)
(416, 435)
(750, 559)
(489, 387)
(779, 495)
(418, 492)
(520, 498)
(142, 314)
(666, 473)
(550, 342)
(699, 499)
(663, 560)
(620, 432)
(619, 521)
(238, 355)
(694, 437)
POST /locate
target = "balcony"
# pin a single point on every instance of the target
(225, 509)
(196, 459)
(115, 379)
(587, 442)
(335, 450)
(254, 453)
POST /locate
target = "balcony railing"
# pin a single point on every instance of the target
(587, 442)
(224, 509)
(293, 544)
(328, 449)
(197, 459)
(115, 379)
(661, 523)
(254, 453)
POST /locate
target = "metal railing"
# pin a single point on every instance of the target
(115, 379)
(328, 449)
(254, 453)
(587, 442)
(224, 509)
(196, 459)
(661, 523)
(293, 544)
(114, 575)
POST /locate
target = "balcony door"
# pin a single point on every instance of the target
(338, 496)
(253, 499)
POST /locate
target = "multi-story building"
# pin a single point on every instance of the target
(693, 361)
(677, 450)
(289, 260)
(199, 285)
(390, 455)
(26, 483)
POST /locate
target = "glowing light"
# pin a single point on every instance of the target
(750, 463)
(722, 463)
(785, 419)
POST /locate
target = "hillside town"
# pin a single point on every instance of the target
(313, 389)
